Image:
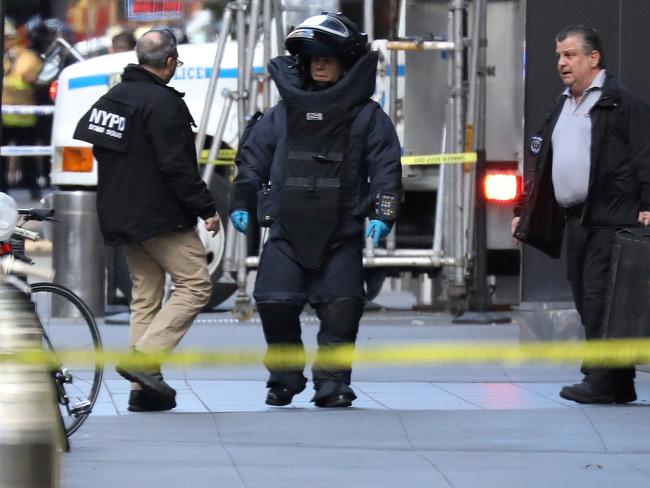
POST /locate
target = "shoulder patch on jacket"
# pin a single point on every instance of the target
(107, 124)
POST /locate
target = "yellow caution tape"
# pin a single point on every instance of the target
(225, 157)
(595, 353)
(450, 158)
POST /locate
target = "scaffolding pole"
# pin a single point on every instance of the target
(266, 80)
(368, 19)
(253, 17)
(226, 22)
(241, 66)
(457, 288)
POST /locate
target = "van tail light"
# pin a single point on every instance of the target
(77, 159)
(54, 87)
(501, 187)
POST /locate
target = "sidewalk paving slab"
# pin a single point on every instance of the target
(443, 426)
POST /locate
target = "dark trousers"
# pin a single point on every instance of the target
(589, 254)
(335, 290)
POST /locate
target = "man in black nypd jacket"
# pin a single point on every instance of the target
(149, 195)
(314, 167)
(589, 176)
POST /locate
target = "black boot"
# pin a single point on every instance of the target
(339, 324)
(281, 325)
(279, 396)
(585, 392)
(596, 387)
(331, 394)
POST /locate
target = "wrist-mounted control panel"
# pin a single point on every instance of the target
(386, 207)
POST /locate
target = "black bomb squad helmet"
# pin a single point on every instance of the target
(328, 34)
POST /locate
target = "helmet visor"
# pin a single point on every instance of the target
(310, 42)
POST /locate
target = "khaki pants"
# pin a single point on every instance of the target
(157, 327)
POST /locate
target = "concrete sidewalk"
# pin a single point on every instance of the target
(463, 426)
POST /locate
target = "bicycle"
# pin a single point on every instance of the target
(67, 324)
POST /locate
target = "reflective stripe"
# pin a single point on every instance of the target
(17, 91)
(15, 120)
(17, 83)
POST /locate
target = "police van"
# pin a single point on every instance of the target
(81, 84)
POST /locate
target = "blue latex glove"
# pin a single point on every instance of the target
(239, 219)
(377, 230)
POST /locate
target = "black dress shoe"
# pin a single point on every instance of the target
(144, 401)
(585, 392)
(279, 396)
(338, 400)
(149, 380)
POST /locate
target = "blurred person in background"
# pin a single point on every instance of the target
(122, 42)
(42, 34)
(21, 65)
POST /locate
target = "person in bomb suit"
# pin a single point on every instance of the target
(314, 167)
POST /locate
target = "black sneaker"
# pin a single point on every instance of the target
(149, 380)
(279, 396)
(144, 401)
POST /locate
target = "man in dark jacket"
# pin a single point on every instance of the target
(590, 175)
(323, 159)
(149, 195)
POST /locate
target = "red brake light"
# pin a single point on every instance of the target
(5, 248)
(501, 187)
(54, 86)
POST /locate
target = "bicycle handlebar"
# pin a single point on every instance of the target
(39, 214)
(26, 234)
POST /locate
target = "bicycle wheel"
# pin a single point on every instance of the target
(77, 385)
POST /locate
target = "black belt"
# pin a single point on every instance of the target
(574, 211)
